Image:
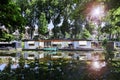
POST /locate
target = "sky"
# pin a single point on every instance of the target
(50, 26)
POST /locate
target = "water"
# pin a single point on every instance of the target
(80, 55)
(78, 65)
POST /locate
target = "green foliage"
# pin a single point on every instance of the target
(10, 16)
(43, 24)
(108, 50)
(12, 19)
(85, 34)
(56, 31)
(64, 28)
(9, 37)
(21, 61)
(104, 43)
(111, 5)
(5, 36)
(112, 26)
(71, 14)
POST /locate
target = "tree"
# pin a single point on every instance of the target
(85, 34)
(4, 36)
(108, 50)
(10, 16)
(62, 12)
(42, 29)
(56, 32)
(28, 10)
(112, 24)
(115, 21)
(64, 28)
(57, 11)
(76, 16)
(112, 19)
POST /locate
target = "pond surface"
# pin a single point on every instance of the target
(64, 65)
(80, 55)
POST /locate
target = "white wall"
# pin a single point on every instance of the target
(27, 46)
(65, 44)
(88, 45)
(59, 44)
(19, 44)
(76, 44)
(41, 44)
(36, 44)
(82, 44)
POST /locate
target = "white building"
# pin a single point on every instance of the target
(61, 44)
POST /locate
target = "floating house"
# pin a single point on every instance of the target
(57, 43)
(31, 44)
(10, 45)
(65, 44)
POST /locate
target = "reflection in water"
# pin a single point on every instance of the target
(96, 62)
(97, 65)
(72, 69)
(2, 66)
(77, 55)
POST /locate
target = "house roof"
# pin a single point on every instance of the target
(58, 40)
